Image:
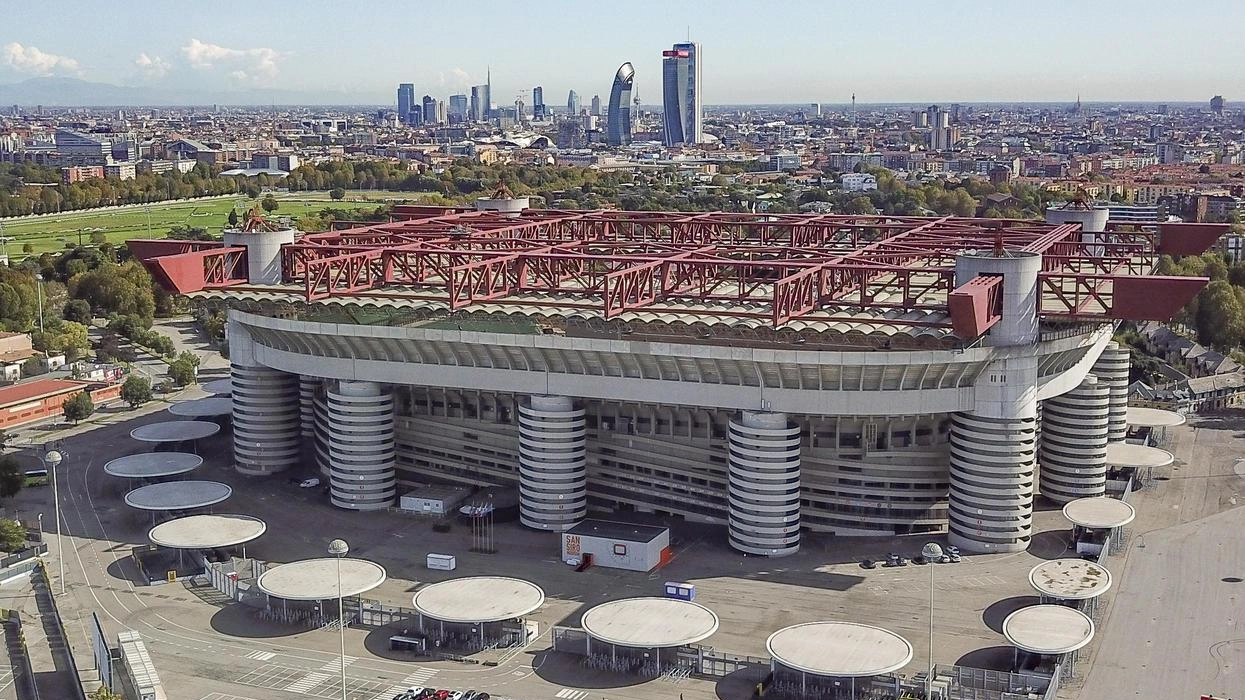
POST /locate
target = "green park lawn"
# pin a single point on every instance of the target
(54, 231)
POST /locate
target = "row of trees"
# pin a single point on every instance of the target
(1217, 313)
(33, 189)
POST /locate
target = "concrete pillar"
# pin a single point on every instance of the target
(763, 484)
(361, 450)
(265, 410)
(553, 472)
(994, 446)
(1073, 453)
(1112, 370)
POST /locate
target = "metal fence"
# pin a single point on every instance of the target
(570, 640)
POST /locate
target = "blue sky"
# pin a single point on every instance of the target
(754, 51)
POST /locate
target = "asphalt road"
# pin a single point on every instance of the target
(1176, 626)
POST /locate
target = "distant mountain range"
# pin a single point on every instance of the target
(71, 92)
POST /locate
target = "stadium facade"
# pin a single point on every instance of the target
(776, 374)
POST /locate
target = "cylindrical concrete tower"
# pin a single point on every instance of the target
(994, 446)
(992, 471)
(763, 484)
(265, 420)
(1112, 370)
(306, 405)
(263, 252)
(1019, 325)
(361, 451)
(1073, 454)
(1093, 221)
(553, 472)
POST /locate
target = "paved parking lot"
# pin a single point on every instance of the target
(223, 653)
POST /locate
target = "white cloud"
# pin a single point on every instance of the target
(152, 66)
(28, 59)
(243, 64)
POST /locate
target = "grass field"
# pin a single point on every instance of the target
(53, 231)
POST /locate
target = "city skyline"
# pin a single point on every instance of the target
(892, 54)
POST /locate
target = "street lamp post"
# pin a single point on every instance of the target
(339, 549)
(51, 459)
(39, 296)
(932, 553)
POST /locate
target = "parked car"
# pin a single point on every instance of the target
(309, 483)
(893, 559)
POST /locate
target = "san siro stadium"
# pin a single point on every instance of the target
(776, 374)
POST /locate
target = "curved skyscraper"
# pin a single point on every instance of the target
(680, 77)
(618, 119)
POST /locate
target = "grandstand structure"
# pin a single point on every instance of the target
(776, 374)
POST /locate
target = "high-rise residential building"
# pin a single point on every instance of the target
(406, 101)
(538, 102)
(595, 109)
(618, 119)
(458, 106)
(572, 103)
(681, 100)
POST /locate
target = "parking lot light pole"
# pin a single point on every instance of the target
(932, 553)
(339, 549)
(50, 460)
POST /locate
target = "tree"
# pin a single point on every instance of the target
(233, 218)
(12, 535)
(77, 310)
(136, 391)
(337, 194)
(78, 408)
(269, 204)
(12, 479)
(1220, 316)
(182, 371)
(32, 367)
(103, 693)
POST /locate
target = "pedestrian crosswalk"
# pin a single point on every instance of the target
(307, 682)
(419, 677)
(260, 655)
(572, 694)
(336, 664)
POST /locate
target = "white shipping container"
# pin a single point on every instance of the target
(442, 562)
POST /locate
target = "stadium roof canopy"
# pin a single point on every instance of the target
(777, 268)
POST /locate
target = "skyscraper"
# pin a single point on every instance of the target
(595, 110)
(406, 100)
(458, 106)
(572, 103)
(538, 102)
(430, 109)
(618, 119)
(479, 103)
(681, 101)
